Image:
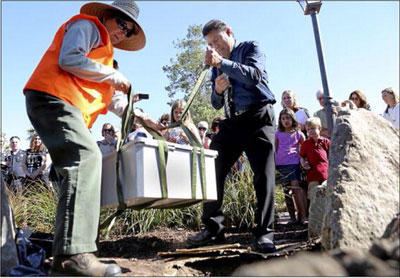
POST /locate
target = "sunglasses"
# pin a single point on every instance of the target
(108, 130)
(202, 128)
(123, 26)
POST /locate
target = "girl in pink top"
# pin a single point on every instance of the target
(288, 139)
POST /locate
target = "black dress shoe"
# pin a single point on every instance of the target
(204, 237)
(265, 245)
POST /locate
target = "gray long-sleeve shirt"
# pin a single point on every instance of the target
(81, 37)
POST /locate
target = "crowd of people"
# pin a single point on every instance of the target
(23, 168)
(34, 164)
(77, 79)
(302, 145)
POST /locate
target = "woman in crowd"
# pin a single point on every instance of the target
(289, 101)
(391, 112)
(214, 127)
(202, 126)
(37, 159)
(357, 99)
(164, 119)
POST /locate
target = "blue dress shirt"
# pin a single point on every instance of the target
(248, 76)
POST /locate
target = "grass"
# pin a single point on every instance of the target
(280, 205)
(35, 208)
(137, 221)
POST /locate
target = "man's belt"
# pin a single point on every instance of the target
(240, 112)
(252, 107)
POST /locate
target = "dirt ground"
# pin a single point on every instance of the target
(138, 255)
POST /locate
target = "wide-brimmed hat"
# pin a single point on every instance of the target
(129, 8)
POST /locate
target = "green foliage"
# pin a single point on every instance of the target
(34, 207)
(184, 71)
(280, 205)
(30, 131)
(140, 221)
(239, 208)
(240, 199)
(4, 142)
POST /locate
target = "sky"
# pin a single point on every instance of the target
(360, 44)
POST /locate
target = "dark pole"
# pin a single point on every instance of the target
(327, 97)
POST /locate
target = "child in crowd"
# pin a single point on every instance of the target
(288, 139)
(314, 154)
(177, 135)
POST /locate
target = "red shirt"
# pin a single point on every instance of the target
(316, 151)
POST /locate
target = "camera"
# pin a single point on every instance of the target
(143, 96)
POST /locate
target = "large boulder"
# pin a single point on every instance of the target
(9, 257)
(363, 183)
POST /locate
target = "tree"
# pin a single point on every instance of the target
(4, 144)
(184, 72)
(30, 131)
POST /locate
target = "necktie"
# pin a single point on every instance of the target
(227, 99)
(227, 105)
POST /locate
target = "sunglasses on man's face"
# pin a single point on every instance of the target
(202, 128)
(123, 26)
(108, 130)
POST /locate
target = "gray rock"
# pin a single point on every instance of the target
(9, 257)
(363, 182)
(382, 259)
(392, 231)
(317, 209)
(302, 264)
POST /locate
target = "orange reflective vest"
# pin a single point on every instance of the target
(90, 97)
